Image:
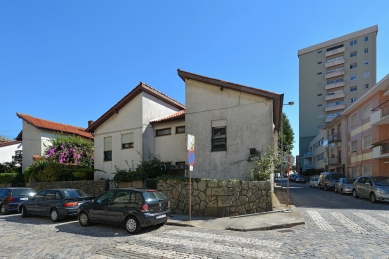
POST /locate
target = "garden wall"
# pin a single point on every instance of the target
(93, 188)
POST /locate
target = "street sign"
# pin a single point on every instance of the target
(191, 157)
(191, 142)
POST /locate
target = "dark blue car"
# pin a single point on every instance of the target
(12, 196)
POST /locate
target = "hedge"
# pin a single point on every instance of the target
(11, 178)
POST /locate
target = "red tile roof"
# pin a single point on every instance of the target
(175, 116)
(9, 143)
(55, 126)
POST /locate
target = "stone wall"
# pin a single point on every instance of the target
(134, 184)
(218, 198)
(4, 185)
(93, 188)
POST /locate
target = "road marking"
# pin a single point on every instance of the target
(373, 221)
(207, 247)
(319, 220)
(355, 228)
(226, 238)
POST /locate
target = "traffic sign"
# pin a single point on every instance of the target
(191, 157)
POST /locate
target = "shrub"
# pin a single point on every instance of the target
(10, 167)
(11, 178)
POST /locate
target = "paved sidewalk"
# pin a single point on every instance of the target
(282, 216)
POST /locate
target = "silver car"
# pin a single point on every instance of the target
(344, 185)
(372, 187)
(313, 182)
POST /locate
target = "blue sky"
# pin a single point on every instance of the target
(70, 61)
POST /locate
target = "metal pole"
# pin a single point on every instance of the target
(282, 148)
(190, 195)
(287, 189)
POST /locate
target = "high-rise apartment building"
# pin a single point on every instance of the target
(333, 75)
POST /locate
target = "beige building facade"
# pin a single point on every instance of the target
(332, 76)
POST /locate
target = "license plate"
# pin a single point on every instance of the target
(161, 216)
(23, 199)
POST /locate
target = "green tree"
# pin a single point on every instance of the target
(287, 136)
(265, 163)
(4, 138)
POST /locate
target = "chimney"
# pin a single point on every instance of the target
(90, 123)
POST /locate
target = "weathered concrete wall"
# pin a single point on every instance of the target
(218, 198)
(93, 188)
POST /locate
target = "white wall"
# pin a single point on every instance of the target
(32, 144)
(249, 125)
(6, 152)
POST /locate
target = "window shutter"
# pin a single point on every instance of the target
(128, 138)
(367, 141)
(219, 123)
(366, 111)
(108, 144)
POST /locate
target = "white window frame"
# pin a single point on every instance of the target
(353, 100)
(353, 54)
(127, 140)
(354, 146)
(354, 77)
(366, 38)
(108, 149)
(366, 62)
(366, 50)
(366, 74)
(353, 88)
(353, 42)
(353, 119)
(366, 111)
(366, 139)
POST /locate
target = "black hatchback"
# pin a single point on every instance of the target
(55, 203)
(132, 208)
(12, 196)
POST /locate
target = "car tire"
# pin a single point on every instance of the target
(355, 195)
(132, 225)
(310, 185)
(3, 210)
(335, 190)
(341, 191)
(325, 188)
(83, 219)
(23, 211)
(54, 216)
(372, 197)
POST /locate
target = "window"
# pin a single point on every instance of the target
(353, 77)
(353, 42)
(122, 197)
(354, 172)
(334, 70)
(366, 170)
(319, 126)
(127, 140)
(108, 149)
(366, 142)
(353, 119)
(366, 86)
(354, 146)
(335, 81)
(334, 59)
(353, 100)
(219, 139)
(318, 84)
(353, 54)
(319, 73)
(366, 111)
(353, 65)
(320, 116)
(366, 38)
(181, 163)
(319, 105)
(319, 62)
(105, 198)
(164, 132)
(334, 103)
(319, 94)
(180, 129)
(353, 89)
(366, 74)
(336, 47)
(366, 50)
(319, 52)
(366, 62)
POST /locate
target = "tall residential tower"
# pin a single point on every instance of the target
(333, 75)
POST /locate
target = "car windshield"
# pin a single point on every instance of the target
(75, 194)
(349, 180)
(381, 181)
(336, 176)
(3, 192)
(154, 196)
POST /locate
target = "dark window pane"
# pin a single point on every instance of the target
(107, 155)
(219, 132)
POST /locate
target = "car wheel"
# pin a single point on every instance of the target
(310, 185)
(83, 219)
(23, 210)
(372, 197)
(335, 190)
(54, 215)
(341, 191)
(355, 195)
(325, 188)
(132, 225)
(3, 210)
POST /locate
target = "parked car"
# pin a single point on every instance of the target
(55, 203)
(131, 208)
(313, 182)
(292, 177)
(299, 179)
(328, 180)
(344, 185)
(12, 196)
(372, 187)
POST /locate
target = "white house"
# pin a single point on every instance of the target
(228, 121)
(37, 133)
(7, 150)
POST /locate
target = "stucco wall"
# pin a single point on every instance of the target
(93, 188)
(31, 143)
(7, 152)
(249, 125)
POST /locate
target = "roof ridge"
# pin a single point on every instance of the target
(154, 89)
(78, 127)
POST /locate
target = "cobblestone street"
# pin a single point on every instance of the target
(346, 228)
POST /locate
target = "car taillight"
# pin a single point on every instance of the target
(168, 204)
(70, 204)
(11, 199)
(144, 208)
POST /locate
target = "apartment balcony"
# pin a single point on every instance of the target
(336, 85)
(334, 160)
(334, 63)
(335, 96)
(380, 150)
(380, 115)
(308, 155)
(335, 51)
(334, 138)
(335, 107)
(308, 166)
(334, 74)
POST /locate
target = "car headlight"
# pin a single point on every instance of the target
(381, 191)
